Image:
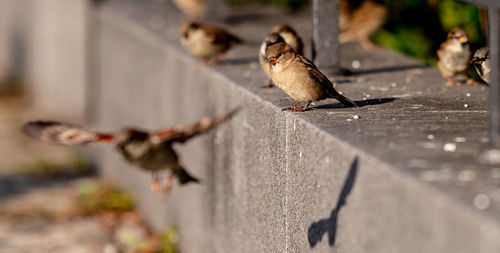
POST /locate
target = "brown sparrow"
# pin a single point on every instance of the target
(150, 151)
(208, 42)
(279, 33)
(481, 62)
(299, 78)
(364, 21)
(193, 8)
(454, 55)
(270, 39)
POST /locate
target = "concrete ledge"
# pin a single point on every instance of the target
(318, 181)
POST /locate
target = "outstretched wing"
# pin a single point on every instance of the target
(185, 132)
(63, 133)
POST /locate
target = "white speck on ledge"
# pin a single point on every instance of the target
(450, 147)
(482, 201)
(356, 64)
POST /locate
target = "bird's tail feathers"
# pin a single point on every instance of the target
(184, 177)
(345, 101)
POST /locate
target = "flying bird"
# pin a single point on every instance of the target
(150, 151)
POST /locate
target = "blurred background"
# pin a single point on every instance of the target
(50, 190)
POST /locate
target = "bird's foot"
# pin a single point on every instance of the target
(451, 82)
(296, 108)
(471, 81)
(292, 108)
(269, 84)
(367, 45)
(167, 186)
(155, 186)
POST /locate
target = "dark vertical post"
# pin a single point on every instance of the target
(494, 45)
(325, 45)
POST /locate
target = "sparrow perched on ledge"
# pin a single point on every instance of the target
(279, 33)
(454, 55)
(208, 42)
(364, 21)
(299, 78)
(150, 151)
(481, 62)
(193, 8)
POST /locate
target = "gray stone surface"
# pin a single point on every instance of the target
(372, 179)
(44, 42)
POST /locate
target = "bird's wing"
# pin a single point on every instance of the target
(441, 50)
(315, 74)
(185, 132)
(63, 133)
(221, 36)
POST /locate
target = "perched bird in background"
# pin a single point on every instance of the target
(290, 36)
(279, 33)
(208, 42)
(454, 56)
(364, 21)
(481, 62)
(150, 151)
(299, 78)
(193, 8)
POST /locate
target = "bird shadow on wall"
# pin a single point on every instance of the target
(328, 225)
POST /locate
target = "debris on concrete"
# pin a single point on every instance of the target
(450, 147)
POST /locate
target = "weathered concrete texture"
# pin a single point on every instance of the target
(15, 34)
(318, 181)
(44, 42)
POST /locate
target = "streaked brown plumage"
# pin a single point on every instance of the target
(299, 78)
(207, 42)
(364, 21)
(279, 33)
(150, 151)
(481, 62)
(454, 55)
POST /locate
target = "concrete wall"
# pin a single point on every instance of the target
(44, 43)
(274, 181)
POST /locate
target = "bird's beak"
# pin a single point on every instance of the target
(475, 61)
(463, 40)
(273, 60)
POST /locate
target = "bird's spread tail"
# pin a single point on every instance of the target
(184, 177)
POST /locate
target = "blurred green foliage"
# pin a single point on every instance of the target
(98, 196)
(418, 27)
(43, 167)
(168, 241)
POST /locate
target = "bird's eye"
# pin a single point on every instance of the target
(278, 56)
